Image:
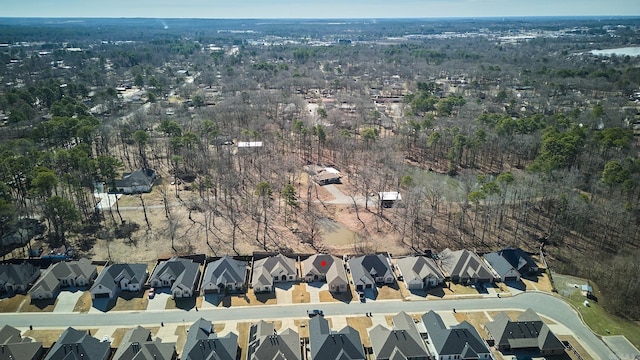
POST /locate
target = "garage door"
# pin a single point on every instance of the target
(368, 286)
(510, 278)
(101, 295)
(358, 287)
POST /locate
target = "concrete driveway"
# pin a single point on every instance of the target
(314, 289)
(159, 302)
(284, 293)
(67, 300)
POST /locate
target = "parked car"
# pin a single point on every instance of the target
(361, 296)
(152, 293)
(314, 312)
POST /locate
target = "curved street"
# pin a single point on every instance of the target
(544, 304)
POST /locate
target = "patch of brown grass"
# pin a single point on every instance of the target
(181, 331)
(84, 303)
(218, 327)
(30, 305)
(47, 337)
(128, 301)
(300, 294)
(576, 345)
(540, 283)
(303, 327)
(12, 304)
(116, 337)
(328, 296)
(475, 318)
(416, 318)
(404, 292)
(512, 314)
(361, 323)
(459, 289)
(243, 338)
(250, 298)
(389, 292)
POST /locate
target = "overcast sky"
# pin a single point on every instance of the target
(316, 8)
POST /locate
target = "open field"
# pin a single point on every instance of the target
(594, 315)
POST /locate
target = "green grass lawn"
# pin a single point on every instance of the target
(603, 323)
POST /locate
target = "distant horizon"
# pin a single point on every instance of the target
(335, 18)
(327, 9)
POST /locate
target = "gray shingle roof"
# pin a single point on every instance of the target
(499, 264)
(143, 177)
(184, 271)
(112, 274)
(78, 345)
(225, 270)
(329, 345)
(265, 269)
(519, 259)
(18, 274)
(465, 264)
(136, 344)
(75, 269)
(457, 340)
(14, 347)
(419, 267)
(264, 344)
(203, 344)
(403, 342)
(369, 267)
(529, 331)
(333, 268)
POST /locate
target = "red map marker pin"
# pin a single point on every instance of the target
(323, 263)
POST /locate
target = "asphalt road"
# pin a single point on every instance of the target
(543, 304)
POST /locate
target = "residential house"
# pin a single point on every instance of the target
(464, 266)
(266, 344)
(79, 345)
(419, 272)
(181, 275)
(16, 278)
(271, 270)
(247, 147)
(520, 260)
(461, 341)
(136, 344)
(63, 274)
(401, 342)
(529, 333)
(327, 344)
(119, 277)
(323, 175)
(136, 182)
(369, 270)
(15, 347)
(325, 178)
(505, 271)
(204, 344)
(224, 275)
(329, 268)
(388, 198)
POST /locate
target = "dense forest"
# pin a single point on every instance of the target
(532, 133)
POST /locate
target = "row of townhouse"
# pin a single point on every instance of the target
(182, 276)
(407, 338)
